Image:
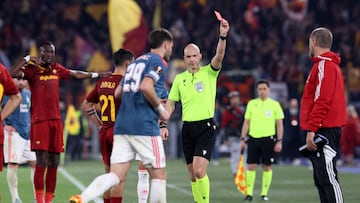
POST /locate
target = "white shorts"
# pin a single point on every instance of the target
(149, 149)
(17, 149)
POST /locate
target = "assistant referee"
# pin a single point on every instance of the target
(264, 124)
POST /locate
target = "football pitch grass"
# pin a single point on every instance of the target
(291, 184)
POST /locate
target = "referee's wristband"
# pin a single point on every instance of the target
(223, 37)
(162, 124)
(279, 140)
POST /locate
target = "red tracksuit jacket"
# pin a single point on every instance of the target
(323, 103)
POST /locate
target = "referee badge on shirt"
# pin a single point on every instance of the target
(268, 113)
(199, 86)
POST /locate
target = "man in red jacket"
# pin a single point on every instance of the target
(323, 111)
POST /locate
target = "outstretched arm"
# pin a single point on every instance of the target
(216, 61)
(84, 75)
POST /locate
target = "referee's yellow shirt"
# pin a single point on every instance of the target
(196, 92)
(262, 116)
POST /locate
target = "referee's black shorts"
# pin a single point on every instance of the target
(198, 139)
(261, 150)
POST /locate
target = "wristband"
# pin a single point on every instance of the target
(27, 58)
(243, 139)
(90, 112)
(94, 75)
(223, 37)
(162, 124)
(279, 140)
(160, 108)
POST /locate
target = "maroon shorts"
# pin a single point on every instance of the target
(1, 156)
(106, 143)
(47, 135)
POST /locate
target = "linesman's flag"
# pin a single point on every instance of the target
(240, 180)
(127, 26)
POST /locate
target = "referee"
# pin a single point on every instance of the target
(196, 90)
(264, 124)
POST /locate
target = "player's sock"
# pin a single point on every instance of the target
(266, 182)
(250, 181)
(39, 196)
(32, 173)
(99, 185)
(194, 189)
(12, 180)
(107, 200)
(158, 191)
(143, 186)
(48, 197)
(39, 183)
(203, 189)
(50, 182)
(116, 200)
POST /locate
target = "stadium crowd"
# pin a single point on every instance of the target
(268, 39)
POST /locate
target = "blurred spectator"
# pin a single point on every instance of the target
(293, 136)
(231, 123)
(350, 138)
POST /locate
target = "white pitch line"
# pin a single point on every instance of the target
(172, 186)
(76, 182)
(82, 187)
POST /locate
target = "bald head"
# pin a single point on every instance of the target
(192, 48)
(192, 57)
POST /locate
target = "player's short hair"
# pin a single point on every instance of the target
(323, 36)
(158, 36)
(263, 82)
(122, 55)
(47, 43)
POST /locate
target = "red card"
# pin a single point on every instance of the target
(218, 16)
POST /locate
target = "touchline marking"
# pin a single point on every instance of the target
(76, 182)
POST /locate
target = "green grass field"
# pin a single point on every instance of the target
(290, 184)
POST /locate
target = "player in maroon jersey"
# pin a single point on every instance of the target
(7, 87)
(103, 94)
(43, 75)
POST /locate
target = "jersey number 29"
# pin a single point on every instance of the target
(133, 77)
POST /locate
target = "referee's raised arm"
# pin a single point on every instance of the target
(216, 61)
